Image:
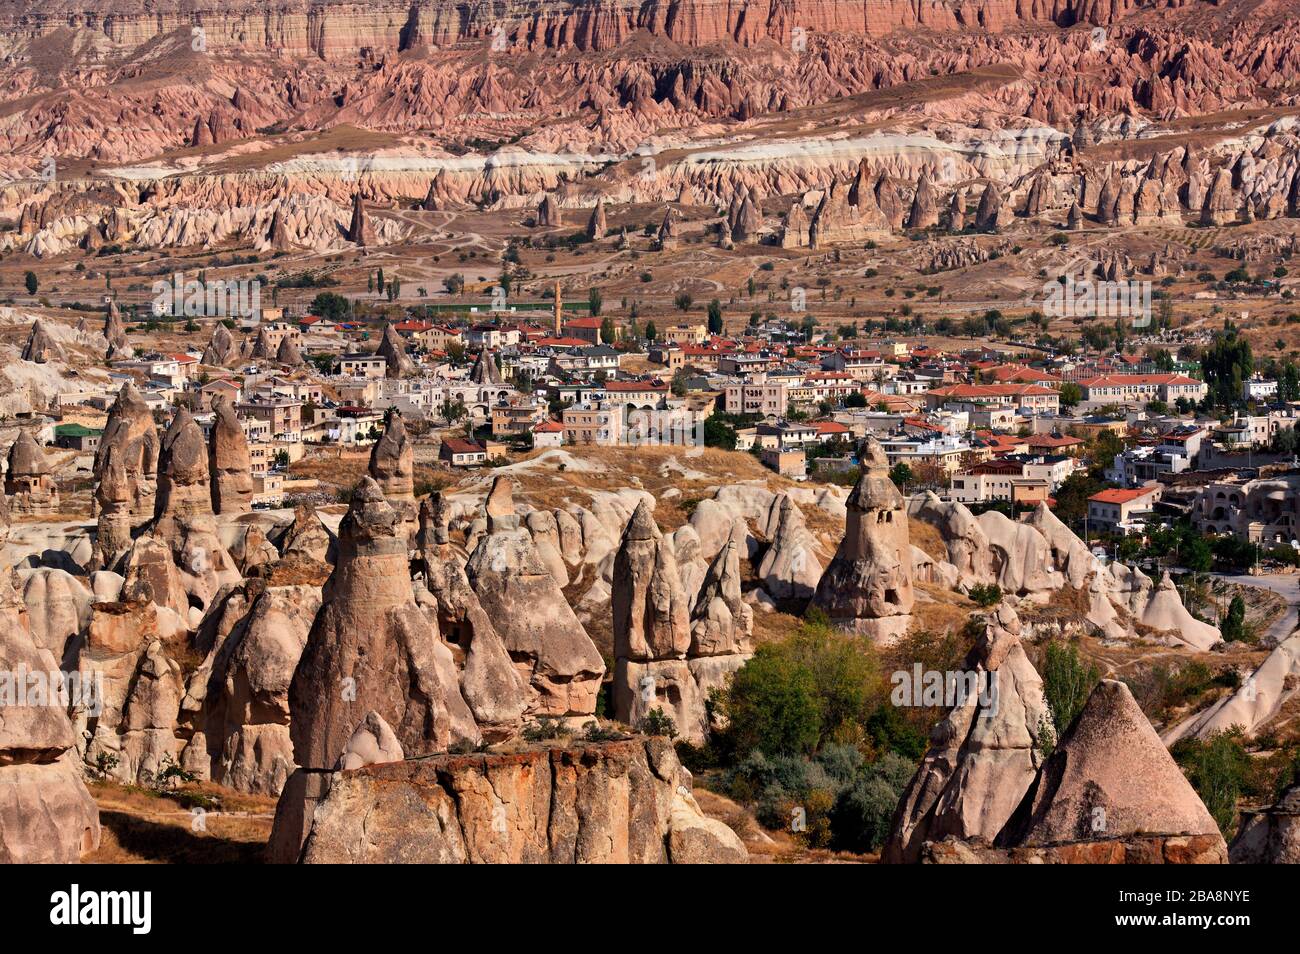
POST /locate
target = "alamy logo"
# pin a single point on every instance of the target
(1086, 298)
(199, 299)
(76, 907)
(936, 688)
(37, 688)
(670, 428)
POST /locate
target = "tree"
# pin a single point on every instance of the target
(594, 301)
(32, 283)
(1072, 497)
(1071, 394)
(607, 330)
(379, 281)
(1067, 683)
(1225, 365)
(719, 434)
(651, 332)
(1233, 624)
(330, 305)
(715, 317)
(454, 284)
(772, 706)
(1220, 770)
(683, 301)
(902, 476)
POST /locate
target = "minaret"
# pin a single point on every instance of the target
(559, 310)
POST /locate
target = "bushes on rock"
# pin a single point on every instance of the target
(1067, 683)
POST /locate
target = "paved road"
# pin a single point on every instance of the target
(1287, 585)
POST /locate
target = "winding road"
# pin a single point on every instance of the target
(1286, 585)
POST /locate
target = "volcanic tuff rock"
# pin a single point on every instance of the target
(597, 226)
(393, 350)
(114, 330)
(543, 636)
(221, 349)
(839, 220)
(46, 813)
(183, 517)
(548, 213)
(497, 693)
(924, 213)
(790, 568)
(230, 468)
(1270, 836)
(606, 803)
(242, 690)
(868, 585)
(983, 755)
(1109, 777)
(27, 478)
(652, 631)
(40, 347)
(392, 463)
(131, 430)
(372, 648)
(288, 354)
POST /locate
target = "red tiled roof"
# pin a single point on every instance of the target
(548, 427)
(991, 390)
(830, 427)
(1119, 380)
(1120, 496)
(458, 446)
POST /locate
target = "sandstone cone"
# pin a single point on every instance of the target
(529, 611)
(986, 216)
(983, 755)
(392, 461)
(1110, 776)
(372, 649)
(924, 213)
(868, 585)
(40, 346)
(597, 227)
(548, 213)
(393, 350)
(221, 349)
(230, 467)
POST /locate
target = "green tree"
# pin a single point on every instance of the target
(607, 330)
(594, 301)
(1071, 394)
(1220, 770)
(715, 317)
(901, 475)
(1225, 365)
(719, 434)
(1233, 624)
(32, 283)
(651, 332)
(683, 301)
(1072, 497)
(330, 305)
(771, 705)
(1067, 683)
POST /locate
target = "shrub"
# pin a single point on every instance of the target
(1067, 683)
(657, 722)
(1221, 771)
(986, 594)
(772, 705)
(861, 818)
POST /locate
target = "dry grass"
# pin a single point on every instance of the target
(140, 827)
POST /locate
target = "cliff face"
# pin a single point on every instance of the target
(332, 29)
(598, 803)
